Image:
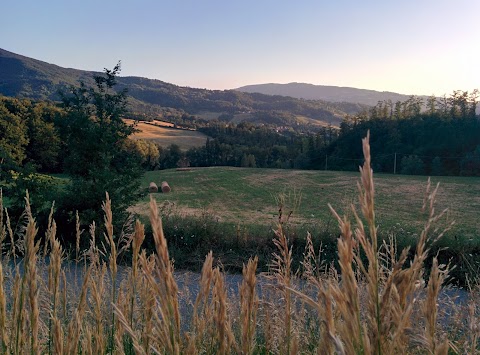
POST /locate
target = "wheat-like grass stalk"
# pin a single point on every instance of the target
(147, 299)
(75, 325)
(78, 235)
(16, 318)
(383, 326)
(3, 314)
(3, 231)
(248, 307)
(281, 268)
(8, 226)
(86, 341)
(108, 220)
(369, 244)
(346, 294)
(54, 273)
(165, 288)
(92, 255)
(98, 289)
(473, 326)
(223, 336)
(48, 232)
(139, 350)
(31, 276)
(57, 336)
(437, 276)
(64, 294)
(202, 309)
(129, 312)
(121, 339)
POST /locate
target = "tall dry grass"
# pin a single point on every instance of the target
(379, 301)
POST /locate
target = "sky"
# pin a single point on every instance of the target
(420, 47)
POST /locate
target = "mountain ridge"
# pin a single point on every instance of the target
(327, 93)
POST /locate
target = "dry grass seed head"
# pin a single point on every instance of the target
(127, 328)
(78, 234)
(75, 325)
(3, 232)
(31, 276)
(249, 305)
(3, 314)
(57, 336)
(165, 287)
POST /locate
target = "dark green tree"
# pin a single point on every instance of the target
(470, 165)
(412, 165)
(437, 168)
(170, 157)
(13, 134)
(44, 145)
(98, 158)
(18, 144)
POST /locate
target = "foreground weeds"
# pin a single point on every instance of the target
(375, 302)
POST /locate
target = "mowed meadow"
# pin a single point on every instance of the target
(234, 211)
(250, 196)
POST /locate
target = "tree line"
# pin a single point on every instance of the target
(436, 137)
(249, 145)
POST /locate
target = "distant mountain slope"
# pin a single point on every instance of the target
(21, 76)
(327, 93)
(26, 77)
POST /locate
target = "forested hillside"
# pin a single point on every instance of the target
(444, 140)
(29, 78)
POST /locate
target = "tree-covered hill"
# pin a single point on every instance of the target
(25, 77)
(443, 140)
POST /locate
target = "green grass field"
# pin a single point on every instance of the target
(248, 196)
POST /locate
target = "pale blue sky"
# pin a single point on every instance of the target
(410, 46)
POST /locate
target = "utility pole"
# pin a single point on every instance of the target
(395, 164)
(326, 161)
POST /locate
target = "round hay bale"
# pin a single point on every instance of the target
(153, 187)
(165, 187)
